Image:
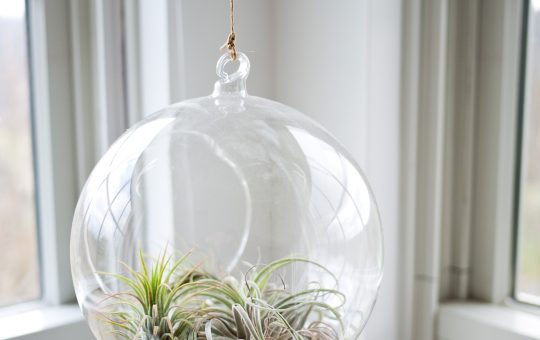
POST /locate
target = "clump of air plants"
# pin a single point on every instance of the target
(154, 306)
(170, 301)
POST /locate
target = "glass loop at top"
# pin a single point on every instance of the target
(241, 73)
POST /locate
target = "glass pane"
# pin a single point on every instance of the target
(528, 266)
(19, 272)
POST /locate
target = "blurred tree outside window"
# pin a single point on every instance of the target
(19, 268)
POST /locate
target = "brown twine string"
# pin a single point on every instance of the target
(231, 39)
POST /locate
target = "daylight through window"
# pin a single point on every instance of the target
(19, 271)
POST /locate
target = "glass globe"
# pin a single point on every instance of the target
(251, 195)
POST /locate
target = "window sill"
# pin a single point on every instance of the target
(473, 321)
(45, 323)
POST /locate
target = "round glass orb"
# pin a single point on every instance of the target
(236, 184)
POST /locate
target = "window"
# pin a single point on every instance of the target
(48, 109)
(19, 270)
(527, 281)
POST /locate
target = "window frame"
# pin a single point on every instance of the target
(89, 82)
(77, 92)
(495, 141)
(54, 150)
(503, 140)
(460, 94)
(526, 60)
(55, 170)
(24, 302)
(79, 109)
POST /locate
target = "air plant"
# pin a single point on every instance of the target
(170, 301)
(153, 307)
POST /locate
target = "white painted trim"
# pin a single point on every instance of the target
(77, 70)
(46, 323)
(410, 66)
(473, 321)
(160, 29)
(111, 114)
(459, 148)
(153, 80)
(494, 177)
(424, 101)
(176, 51)
(54, 143)
(83, 76)
(105, 77)
(132, 36)
(459, 88)
(460, 84)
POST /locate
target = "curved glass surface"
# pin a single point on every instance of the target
(237, 182)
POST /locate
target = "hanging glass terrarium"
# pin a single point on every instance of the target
(227, 217)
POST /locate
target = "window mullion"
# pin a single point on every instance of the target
(110, 95)
(491, 252)
(54, 147)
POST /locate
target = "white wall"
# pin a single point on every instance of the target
(338, 63)
(205, 25)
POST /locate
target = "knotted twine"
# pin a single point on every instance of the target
(231, 39)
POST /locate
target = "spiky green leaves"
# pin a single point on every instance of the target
(154, 306)
(173, 301)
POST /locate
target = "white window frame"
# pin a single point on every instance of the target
(53, 147)
(460, 100)
(56, 177)
(79, 106)
(94, 73)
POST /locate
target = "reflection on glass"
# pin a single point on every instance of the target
(237, 182)
(528, 260)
